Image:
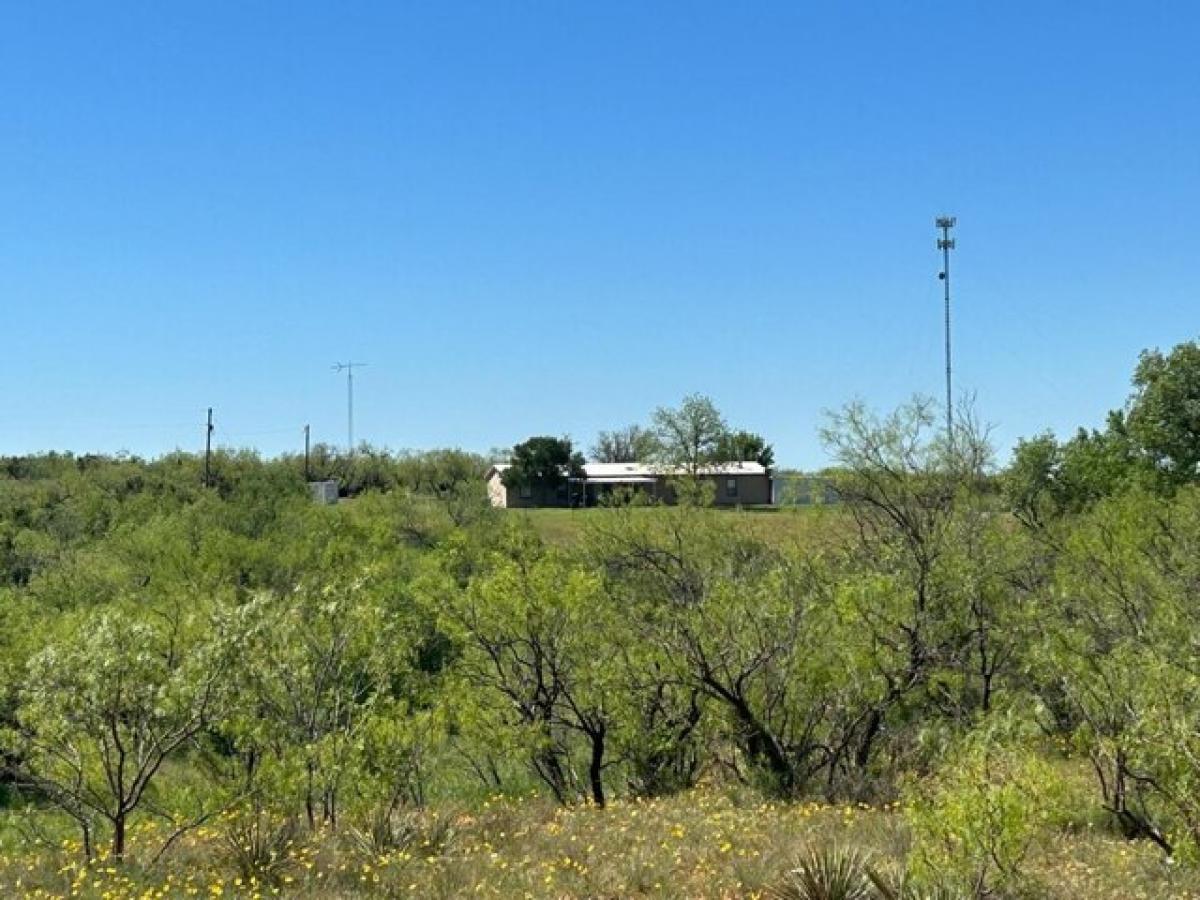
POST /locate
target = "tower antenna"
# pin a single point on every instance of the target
(349, 368)
(208, 430)
(946, 244)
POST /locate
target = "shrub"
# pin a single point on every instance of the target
(975, 820)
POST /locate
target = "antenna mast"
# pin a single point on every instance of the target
(208, 430)
(946, 244)
(349, 368)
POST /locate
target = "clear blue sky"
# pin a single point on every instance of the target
(553, 217)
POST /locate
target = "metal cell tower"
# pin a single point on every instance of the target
(208, 431)
(349, 368)
(946, 244)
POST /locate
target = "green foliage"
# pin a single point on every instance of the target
(531, 628)
(243, 661)
(327, 668)
(542, 463)
(1047, 480)
(1122, 657)
(443, 473)
(1153, 443)
(975, 820)
(931, 600)
(105, 706)
(1163, 415)
(632, 443)
(690, 436)
(745, 446)
(734, 622)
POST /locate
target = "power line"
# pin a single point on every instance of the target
(291, 429)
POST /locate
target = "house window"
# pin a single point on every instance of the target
(526, 491)
(731, 487)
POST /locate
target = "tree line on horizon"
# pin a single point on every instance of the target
(687, 439)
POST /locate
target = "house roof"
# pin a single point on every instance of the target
(621, 479)
(608, 470)
(615, 473)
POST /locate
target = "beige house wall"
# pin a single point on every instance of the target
(510, 498)
(497, 492)
(752, 490)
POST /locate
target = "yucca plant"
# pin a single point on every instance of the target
(260, 845)
(388, 830)
(827, 873)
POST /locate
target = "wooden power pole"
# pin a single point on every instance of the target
(307, 471)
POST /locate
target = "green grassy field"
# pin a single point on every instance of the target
(792, 524)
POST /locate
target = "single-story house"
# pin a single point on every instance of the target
(734, 484)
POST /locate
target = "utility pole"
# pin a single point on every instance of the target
(208, 450)
(307, 473)
(349, 368)
(946, 244)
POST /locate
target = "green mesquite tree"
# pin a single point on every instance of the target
(105, 707)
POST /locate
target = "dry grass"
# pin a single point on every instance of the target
(699, 845)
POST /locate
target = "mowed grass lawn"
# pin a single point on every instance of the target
(804, 526)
